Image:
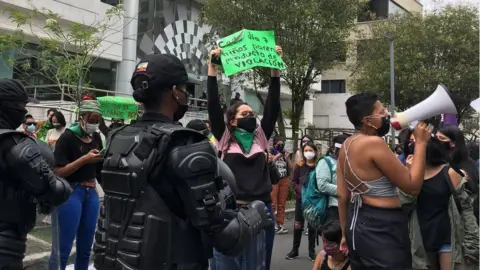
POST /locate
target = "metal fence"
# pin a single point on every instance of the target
(69, 93)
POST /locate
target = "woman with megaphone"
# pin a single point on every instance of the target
(374, 226)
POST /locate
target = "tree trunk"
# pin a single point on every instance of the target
(281, 124)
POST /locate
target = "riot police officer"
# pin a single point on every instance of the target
(164, 205)
(26, 177)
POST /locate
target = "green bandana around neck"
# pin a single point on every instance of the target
(48, 125)
(77, 130)
(244, 139)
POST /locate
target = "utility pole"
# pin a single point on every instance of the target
(392, 83)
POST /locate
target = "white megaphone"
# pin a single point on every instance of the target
(439, 102)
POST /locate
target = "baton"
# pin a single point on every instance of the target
(55, 240)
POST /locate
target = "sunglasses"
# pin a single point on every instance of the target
(31, 123)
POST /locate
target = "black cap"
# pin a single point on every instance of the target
(159, 70)
(197, 124)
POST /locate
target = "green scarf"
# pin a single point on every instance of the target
(244, 139)
(77, 130)
(42, 132)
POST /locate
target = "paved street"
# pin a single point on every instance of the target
(283, 245)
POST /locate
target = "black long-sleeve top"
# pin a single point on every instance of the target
(250, 169)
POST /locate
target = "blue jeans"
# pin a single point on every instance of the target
(77, 218)
(255, 257)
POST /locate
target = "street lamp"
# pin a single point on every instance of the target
(392, 83)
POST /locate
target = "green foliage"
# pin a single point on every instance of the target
(63, 52)
(307, 30)
(441, 47)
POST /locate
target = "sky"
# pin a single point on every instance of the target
(429, 5)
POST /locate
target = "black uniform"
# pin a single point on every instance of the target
(26, 178)
(166, 206)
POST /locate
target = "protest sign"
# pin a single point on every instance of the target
(119, 107)
(247, 49)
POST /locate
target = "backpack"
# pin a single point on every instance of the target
(314, 202)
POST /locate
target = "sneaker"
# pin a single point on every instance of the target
(306, 232)
(281, 230)
(292, 255)
(312, 256)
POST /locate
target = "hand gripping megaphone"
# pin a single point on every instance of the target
(439, 102)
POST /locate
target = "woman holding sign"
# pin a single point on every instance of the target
(242, 144)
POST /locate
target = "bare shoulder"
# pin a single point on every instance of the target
(455, 177)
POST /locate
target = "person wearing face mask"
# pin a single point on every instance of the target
(169, 183)
(458, 158)
(201, 126)
(29, 126)
(298, 154)
(331, 258)
(58, 124)
(443, 229)
(27, 179)
(243, 144)
(300, 178)
(280, 190)
(78, 158)
(44, 126)
(368, 178)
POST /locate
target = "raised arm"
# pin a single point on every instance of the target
(215, 113)
(272, 103)
(408, 180)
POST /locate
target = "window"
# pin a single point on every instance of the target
(111, 2)
(373, 9)
(333, 87)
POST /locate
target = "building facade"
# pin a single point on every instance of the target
(102, 74)
(329, 104)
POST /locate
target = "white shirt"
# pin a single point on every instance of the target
(52, 136)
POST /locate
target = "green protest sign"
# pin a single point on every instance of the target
(119, 107)
(247, 49)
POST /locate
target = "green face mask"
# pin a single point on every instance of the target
(244, 139)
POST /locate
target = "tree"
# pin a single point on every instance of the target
(309, 31)
(440, 47)
(63, 55)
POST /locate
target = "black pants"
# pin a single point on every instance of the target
(298, 230)
(381, 239)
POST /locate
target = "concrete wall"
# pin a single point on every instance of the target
(86, 12)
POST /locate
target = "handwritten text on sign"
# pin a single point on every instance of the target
(247, 49)
(118, 107)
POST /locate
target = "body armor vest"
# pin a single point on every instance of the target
(136, 229)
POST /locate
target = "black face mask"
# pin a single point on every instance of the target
(12, 115)
(180, 113)
(436, 152)
(280, 147)
(385, 127)
(249, 124)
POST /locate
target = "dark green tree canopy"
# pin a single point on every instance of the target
(441, 47)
